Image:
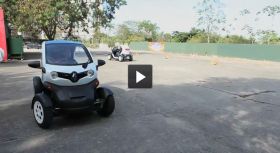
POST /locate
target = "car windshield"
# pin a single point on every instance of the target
(67, 54)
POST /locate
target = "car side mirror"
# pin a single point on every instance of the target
(35, 64)
(100, 63)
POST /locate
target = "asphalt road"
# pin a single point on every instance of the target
(194, 106)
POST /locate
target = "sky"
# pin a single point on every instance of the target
(179, 15)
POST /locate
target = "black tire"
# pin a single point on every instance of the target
(46, 118)
(121, 58)
(37, 84)
(108, 107)
(130, 58)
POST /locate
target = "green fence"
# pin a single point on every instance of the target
(256, 52)
(200, 49)
(139, 46)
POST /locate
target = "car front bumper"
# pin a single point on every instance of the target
(73, 97)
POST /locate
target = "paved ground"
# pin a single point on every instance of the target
(194, 106)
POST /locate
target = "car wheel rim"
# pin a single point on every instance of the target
(38, 112)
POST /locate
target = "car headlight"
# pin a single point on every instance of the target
(54, 75)
(90, 73)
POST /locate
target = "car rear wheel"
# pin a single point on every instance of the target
(130, 58)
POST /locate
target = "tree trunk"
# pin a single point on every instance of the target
(268, 40)
(208, 34)
(50, 31)
(69, 33)
(51, 35)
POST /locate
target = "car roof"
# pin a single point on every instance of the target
(61, 42)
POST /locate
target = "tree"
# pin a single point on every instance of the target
(40, 15)
(124, 33)
(148, 29)
(138, 31)
(250, 31)
(211, 16)
(245, 12)
(167, 37)
(11, 10)
(199, 38)
(186, 36)
(74, 15)
(269, 36)
(234, 39)
(180, 36)
(127, 32)
(102, 12)
(99, 36)
(270, 11)
(65, 15)
(34, 16)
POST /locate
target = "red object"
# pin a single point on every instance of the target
(3, 43)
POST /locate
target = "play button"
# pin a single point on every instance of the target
(140, 76)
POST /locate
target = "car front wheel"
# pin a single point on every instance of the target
(108, 107)
(121, 58)
(43, 115)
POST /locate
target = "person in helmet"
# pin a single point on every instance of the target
(117, 50)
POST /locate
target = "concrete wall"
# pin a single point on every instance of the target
(256, 52)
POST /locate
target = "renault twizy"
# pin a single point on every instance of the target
(121, 53)
(68, 82)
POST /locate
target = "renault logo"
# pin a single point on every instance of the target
(74, 77)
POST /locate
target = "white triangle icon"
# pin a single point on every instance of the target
(139, 77)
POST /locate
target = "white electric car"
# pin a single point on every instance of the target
(68, 82)
(121, 53)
